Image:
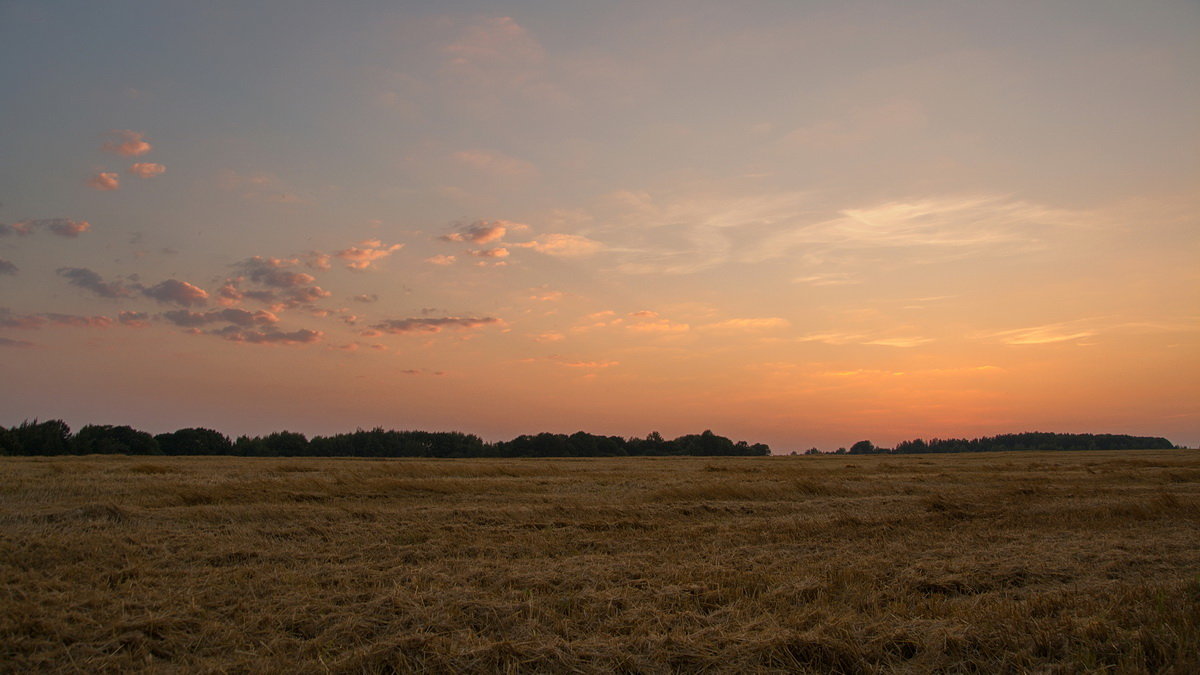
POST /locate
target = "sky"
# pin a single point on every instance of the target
(798, 223)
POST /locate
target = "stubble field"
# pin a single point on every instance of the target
(1049, 562)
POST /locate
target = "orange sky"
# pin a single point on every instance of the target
(801, 225)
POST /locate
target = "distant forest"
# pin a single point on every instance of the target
(54, 437)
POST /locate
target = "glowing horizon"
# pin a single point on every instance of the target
(804, 226)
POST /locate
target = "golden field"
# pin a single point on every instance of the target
(1016, 562)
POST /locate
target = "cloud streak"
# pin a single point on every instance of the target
(434, 325)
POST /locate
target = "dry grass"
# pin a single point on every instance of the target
(1070, 562)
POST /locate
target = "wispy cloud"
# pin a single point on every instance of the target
(146, 169)
(104, 181)
(173, 291)
(127, 143)
(481, 232)
(433, 324)
(62, 227)
(748, 325)
(363, 254)
(82, 277)
(18, 344)
(563, 245)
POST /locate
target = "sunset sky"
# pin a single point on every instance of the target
(798, 223)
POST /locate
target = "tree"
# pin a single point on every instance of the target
(51, 437)
(194, 441)
(113, 440)
(863, 448)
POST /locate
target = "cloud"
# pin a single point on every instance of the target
(441, 260)
(146, 169)
(78, 321)
(563, 245)
(361, 256)
(499, 252)
(589, 364)
(827, 279)
(104, 181)
(62, 227)
(496, 164)
(365, 297)
(82, 277)
(549, 336)
(274, 272)
(1045, 334)
(903, 342)
(861, 339)
(237, 317)
(317, 260)
(17, 344)
(134, 319)
(491, 43)
(32, 321)
(644, 314)
(127, 143)
(269, 337)
(480, 232)
(659, 326)
(7, 267)
(434, 325)
(177, 292)
(26, 321)
(744, 325)
(66, 228)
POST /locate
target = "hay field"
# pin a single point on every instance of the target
(1048, 562)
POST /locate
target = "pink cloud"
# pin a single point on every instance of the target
(590, 364)
(482, 232)
(361, 256)
(127, 143)
(441, 260)
(178, 292)
(743, 325)
(60, 226)
(134, 319)
(563, 245)
(433, 325)
(32, 321)
(104, 181)
(500, 252)
(237, 317)
(79, 321)
(269, 337)
(146, 169)
(659, 326)
(67, 228)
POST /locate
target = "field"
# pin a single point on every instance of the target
(1048, 562)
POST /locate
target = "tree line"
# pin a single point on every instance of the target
(1031, 440)
(54, 437)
